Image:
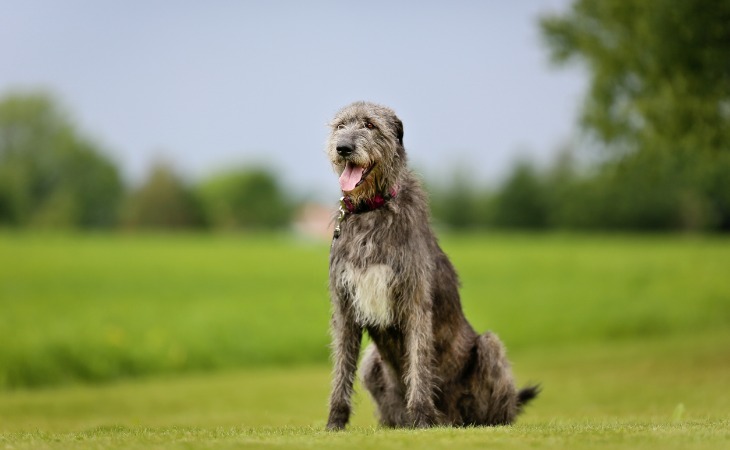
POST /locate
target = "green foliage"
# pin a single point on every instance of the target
(659, 100)
(244, 199)
(521, 202)
(49, 174)
(676, 179)
(647, 191)
(95, 308)
(163, 201)
(659, 68)
(459, 205)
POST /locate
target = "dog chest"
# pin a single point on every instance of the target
(370, 290)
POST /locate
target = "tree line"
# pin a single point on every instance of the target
(51, 176)
(637, 194)
(658, 105)
(657, 114)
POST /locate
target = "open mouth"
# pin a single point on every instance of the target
(353, 176)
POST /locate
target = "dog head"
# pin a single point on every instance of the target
(366, 149)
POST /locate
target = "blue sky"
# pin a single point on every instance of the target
(212, 85)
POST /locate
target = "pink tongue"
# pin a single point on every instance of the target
(350, 177)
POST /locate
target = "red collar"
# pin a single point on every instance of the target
(348, 207)
(368, 204)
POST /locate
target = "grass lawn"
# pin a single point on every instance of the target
(655, 393)
(103, 307)
(198, 341)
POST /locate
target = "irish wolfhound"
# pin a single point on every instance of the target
(426, 365)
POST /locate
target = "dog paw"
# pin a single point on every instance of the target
(423, 418)
(338, 418)
(335, 426)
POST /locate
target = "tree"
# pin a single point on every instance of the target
(659, 69)
(521, 202)
(163, 201)
(49, 174)
(245, 198)
(459, 204)
(660, 86)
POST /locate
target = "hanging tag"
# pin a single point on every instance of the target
(340, 218)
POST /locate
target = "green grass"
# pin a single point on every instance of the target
(629, 336)
(95, 308)
(102, 307)
(687, 435)
(655, 393)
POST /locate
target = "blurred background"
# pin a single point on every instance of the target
(214, 117)
(165, 199)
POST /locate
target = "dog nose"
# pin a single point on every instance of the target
(345, 150)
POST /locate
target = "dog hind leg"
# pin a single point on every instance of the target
(383, 386)
(493, 385)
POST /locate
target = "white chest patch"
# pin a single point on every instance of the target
(370, 289)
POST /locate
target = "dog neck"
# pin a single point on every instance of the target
(368, 204)
(347, 206)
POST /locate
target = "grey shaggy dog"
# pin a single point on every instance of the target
(388, 276)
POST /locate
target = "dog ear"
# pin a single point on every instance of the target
(398, 129)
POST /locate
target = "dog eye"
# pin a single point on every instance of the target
(369, 125)
(340, 126)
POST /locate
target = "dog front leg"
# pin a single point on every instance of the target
(346, 339)
(419, 377)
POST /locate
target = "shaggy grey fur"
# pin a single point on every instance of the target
(388, 276)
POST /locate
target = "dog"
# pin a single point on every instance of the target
(426, 365)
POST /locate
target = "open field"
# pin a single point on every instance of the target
(101, 307)
(629, 336)
(657, 393)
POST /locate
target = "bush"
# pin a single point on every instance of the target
(522, 201)
(244, 199)
(163, 201)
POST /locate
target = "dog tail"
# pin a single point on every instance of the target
(526, 394)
